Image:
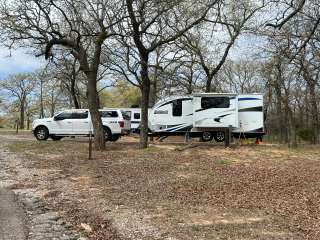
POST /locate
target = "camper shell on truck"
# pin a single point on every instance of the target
(207, 115)
(135, 117)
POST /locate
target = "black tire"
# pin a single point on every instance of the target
(107, 133)
(41, 133)
(114, 138)
(206, 136)
(55, 138)
(219, 136)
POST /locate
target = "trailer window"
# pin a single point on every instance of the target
(215, 102)
(109, 114)
(177, 108)
(136, 115)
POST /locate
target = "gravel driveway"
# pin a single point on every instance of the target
(12, 217)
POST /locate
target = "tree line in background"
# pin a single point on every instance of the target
(129, 52)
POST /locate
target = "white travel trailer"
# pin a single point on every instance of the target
(208, 115)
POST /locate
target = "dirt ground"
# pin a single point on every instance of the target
(170, 191)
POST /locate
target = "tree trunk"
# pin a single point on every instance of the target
(145, 90)
(292, 131)
(75, 102)
(22, 105)
(28, 121)
(279, 112)
(209, 82)
(73, 91)
(99, 136)
(41, 99)
(153, 91)
(314, 110)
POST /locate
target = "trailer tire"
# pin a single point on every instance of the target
(206, 136)
(219, 136)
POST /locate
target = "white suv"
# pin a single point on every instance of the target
(77, 122)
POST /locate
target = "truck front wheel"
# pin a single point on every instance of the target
(41, 133)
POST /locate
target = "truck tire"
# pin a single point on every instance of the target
(114, 138)
(55, 138)
(206, 136)
(219, 136)
(41, 133)
(107, 133)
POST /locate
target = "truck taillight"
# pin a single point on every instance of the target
(121, 123)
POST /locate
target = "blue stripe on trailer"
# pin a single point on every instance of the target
(248, 98)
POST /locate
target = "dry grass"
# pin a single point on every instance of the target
(206, 192)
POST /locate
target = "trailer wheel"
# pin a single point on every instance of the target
(206, 136)
(219, 136)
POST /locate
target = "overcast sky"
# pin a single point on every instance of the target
(18, 62)
(21, 62)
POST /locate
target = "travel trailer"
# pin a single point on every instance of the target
(208, 115)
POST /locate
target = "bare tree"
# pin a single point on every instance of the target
(68, 73)
(153, 24)
(19, 87)
(212, 41)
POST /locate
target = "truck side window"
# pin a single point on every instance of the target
(177, 108)
(136, 115)
(109, 114)
(65, 115)
(80, 115)
(215, 102)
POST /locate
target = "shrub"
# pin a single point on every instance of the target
(305, 134)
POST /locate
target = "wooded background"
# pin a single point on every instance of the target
(119, 53)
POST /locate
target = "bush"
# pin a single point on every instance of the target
(305, 134)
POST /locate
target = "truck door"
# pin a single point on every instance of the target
(81, 123)
(62, 124)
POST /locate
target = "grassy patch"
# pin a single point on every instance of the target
(44, 147)
(223, 162)
(8, 131)
(195, 227)
(151, 149)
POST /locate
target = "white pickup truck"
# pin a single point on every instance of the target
(77, 122)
